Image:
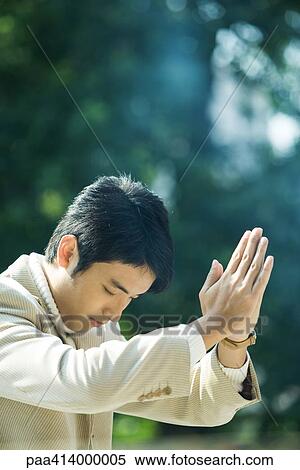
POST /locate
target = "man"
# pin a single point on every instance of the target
(65, 368)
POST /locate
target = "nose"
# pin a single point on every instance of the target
(118, 307)
(115, 309)
(115, 317)
(113, 314)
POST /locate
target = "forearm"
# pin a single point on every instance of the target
(235, 359)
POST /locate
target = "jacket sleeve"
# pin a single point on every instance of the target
(39, 369)
(212, 398)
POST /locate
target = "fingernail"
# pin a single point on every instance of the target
(214, 263)
(258, 230)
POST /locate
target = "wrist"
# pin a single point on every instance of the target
(238, 339)
(234, 359)
(236, 345)
(210, 332)
(241, 336)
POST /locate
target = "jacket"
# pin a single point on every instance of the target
(59, 389)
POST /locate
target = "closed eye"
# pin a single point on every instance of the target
(106, 290)
(110, 293)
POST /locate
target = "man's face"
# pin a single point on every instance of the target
(104, 291)
(100, 293)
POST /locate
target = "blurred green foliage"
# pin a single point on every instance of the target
(163, 84)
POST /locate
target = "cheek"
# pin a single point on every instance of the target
(89, 299)
(88, 302)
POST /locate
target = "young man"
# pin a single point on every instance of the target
(65, 368)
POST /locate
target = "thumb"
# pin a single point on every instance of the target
(215, 272)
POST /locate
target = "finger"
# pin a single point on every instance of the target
(249, 252)
(238, 253)
(221, 269)
(213, 276)
(257, 263)
(262, 280)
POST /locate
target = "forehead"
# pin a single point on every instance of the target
(134, 279)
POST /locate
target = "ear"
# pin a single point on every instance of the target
(67, 253)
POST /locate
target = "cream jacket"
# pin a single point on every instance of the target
(59, 389)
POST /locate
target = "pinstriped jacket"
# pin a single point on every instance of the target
(59, 389)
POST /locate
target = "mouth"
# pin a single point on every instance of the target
(96, 322)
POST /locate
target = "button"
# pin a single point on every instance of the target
(167, 390)
(156, 393)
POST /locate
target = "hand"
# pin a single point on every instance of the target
(235, 295)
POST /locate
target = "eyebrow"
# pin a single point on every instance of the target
(119, 286)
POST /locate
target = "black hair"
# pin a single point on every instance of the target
(118, 219)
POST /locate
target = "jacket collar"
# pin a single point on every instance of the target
(35, 264)
(28, 271)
